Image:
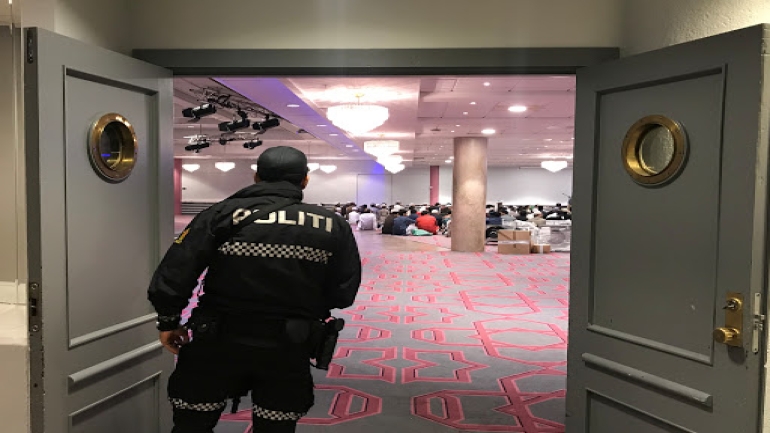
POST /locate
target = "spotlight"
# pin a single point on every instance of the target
(197, 146)
(267, 124)
(200, 111)
(252, 144)
(234, 125)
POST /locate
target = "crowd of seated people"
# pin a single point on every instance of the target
(396, 219)
(402, 220)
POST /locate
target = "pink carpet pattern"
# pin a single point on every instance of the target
(446, 342)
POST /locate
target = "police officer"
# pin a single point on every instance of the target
(268, 281)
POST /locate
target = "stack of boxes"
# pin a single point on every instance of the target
(523, 241)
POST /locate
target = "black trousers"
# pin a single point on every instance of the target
(208, 372)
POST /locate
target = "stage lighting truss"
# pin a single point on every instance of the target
(220, 97)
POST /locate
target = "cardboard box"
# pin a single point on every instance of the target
(541, 249)
(514, 247)
(514, 235)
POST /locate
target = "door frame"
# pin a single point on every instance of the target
(319, 62)
(400, 62)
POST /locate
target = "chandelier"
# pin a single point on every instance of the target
(225, 166)
(382, 149)
(554, 166)
(191, 167)
(358, 118)
(392, 163)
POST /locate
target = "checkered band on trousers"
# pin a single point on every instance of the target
(178, 403)
(275, 415)
(275, 250)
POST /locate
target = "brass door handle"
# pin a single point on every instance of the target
(728, 336)
(731, 333)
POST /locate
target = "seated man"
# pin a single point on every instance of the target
(413, 214)
(353, 216)
(427, 222)
(387, 225)
(401, 223)
(494, 219)
(367, 220)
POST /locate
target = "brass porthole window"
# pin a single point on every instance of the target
(655, 150)
(113, 147)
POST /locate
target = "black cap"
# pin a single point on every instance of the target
(282, 163)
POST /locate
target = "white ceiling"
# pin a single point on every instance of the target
(424, 116)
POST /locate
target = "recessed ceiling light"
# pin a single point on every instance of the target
(451, 157)
(451, 131)
(473, 103)
(333, 135)
(191, 126)
(517, 108)
(292, 106)
(457, 126)
(348, 145)
(321, 126)
(487, 84)
(448, 161)
(488, 131)
(465, 113)
(548, 139)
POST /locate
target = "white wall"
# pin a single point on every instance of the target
(209, 184)
(14, 372)
(652, 24)
(366, 182)
(521, 186)
(375, 23)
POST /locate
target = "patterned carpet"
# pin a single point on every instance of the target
(445, 342)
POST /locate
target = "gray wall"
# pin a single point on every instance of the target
(651, 24)
(377, 24)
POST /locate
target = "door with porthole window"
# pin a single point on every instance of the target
(669, 262)
(99, 168)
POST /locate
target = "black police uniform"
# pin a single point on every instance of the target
(298, 263)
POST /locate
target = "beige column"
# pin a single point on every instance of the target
(469, 194)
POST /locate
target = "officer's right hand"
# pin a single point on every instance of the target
(174, 340)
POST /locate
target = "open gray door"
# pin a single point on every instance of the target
(100, 212)
(668, 253)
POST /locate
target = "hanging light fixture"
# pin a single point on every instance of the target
(388, 160)
(328, 168)
(381, 148)
(358, 118)
(313, 166)
(554, 166)
(395, 168)
(225, 166)
(191, 167)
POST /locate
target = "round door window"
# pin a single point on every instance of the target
(654, 150)
(113, 147)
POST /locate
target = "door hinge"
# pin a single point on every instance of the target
(30, 48)
(758, 322)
